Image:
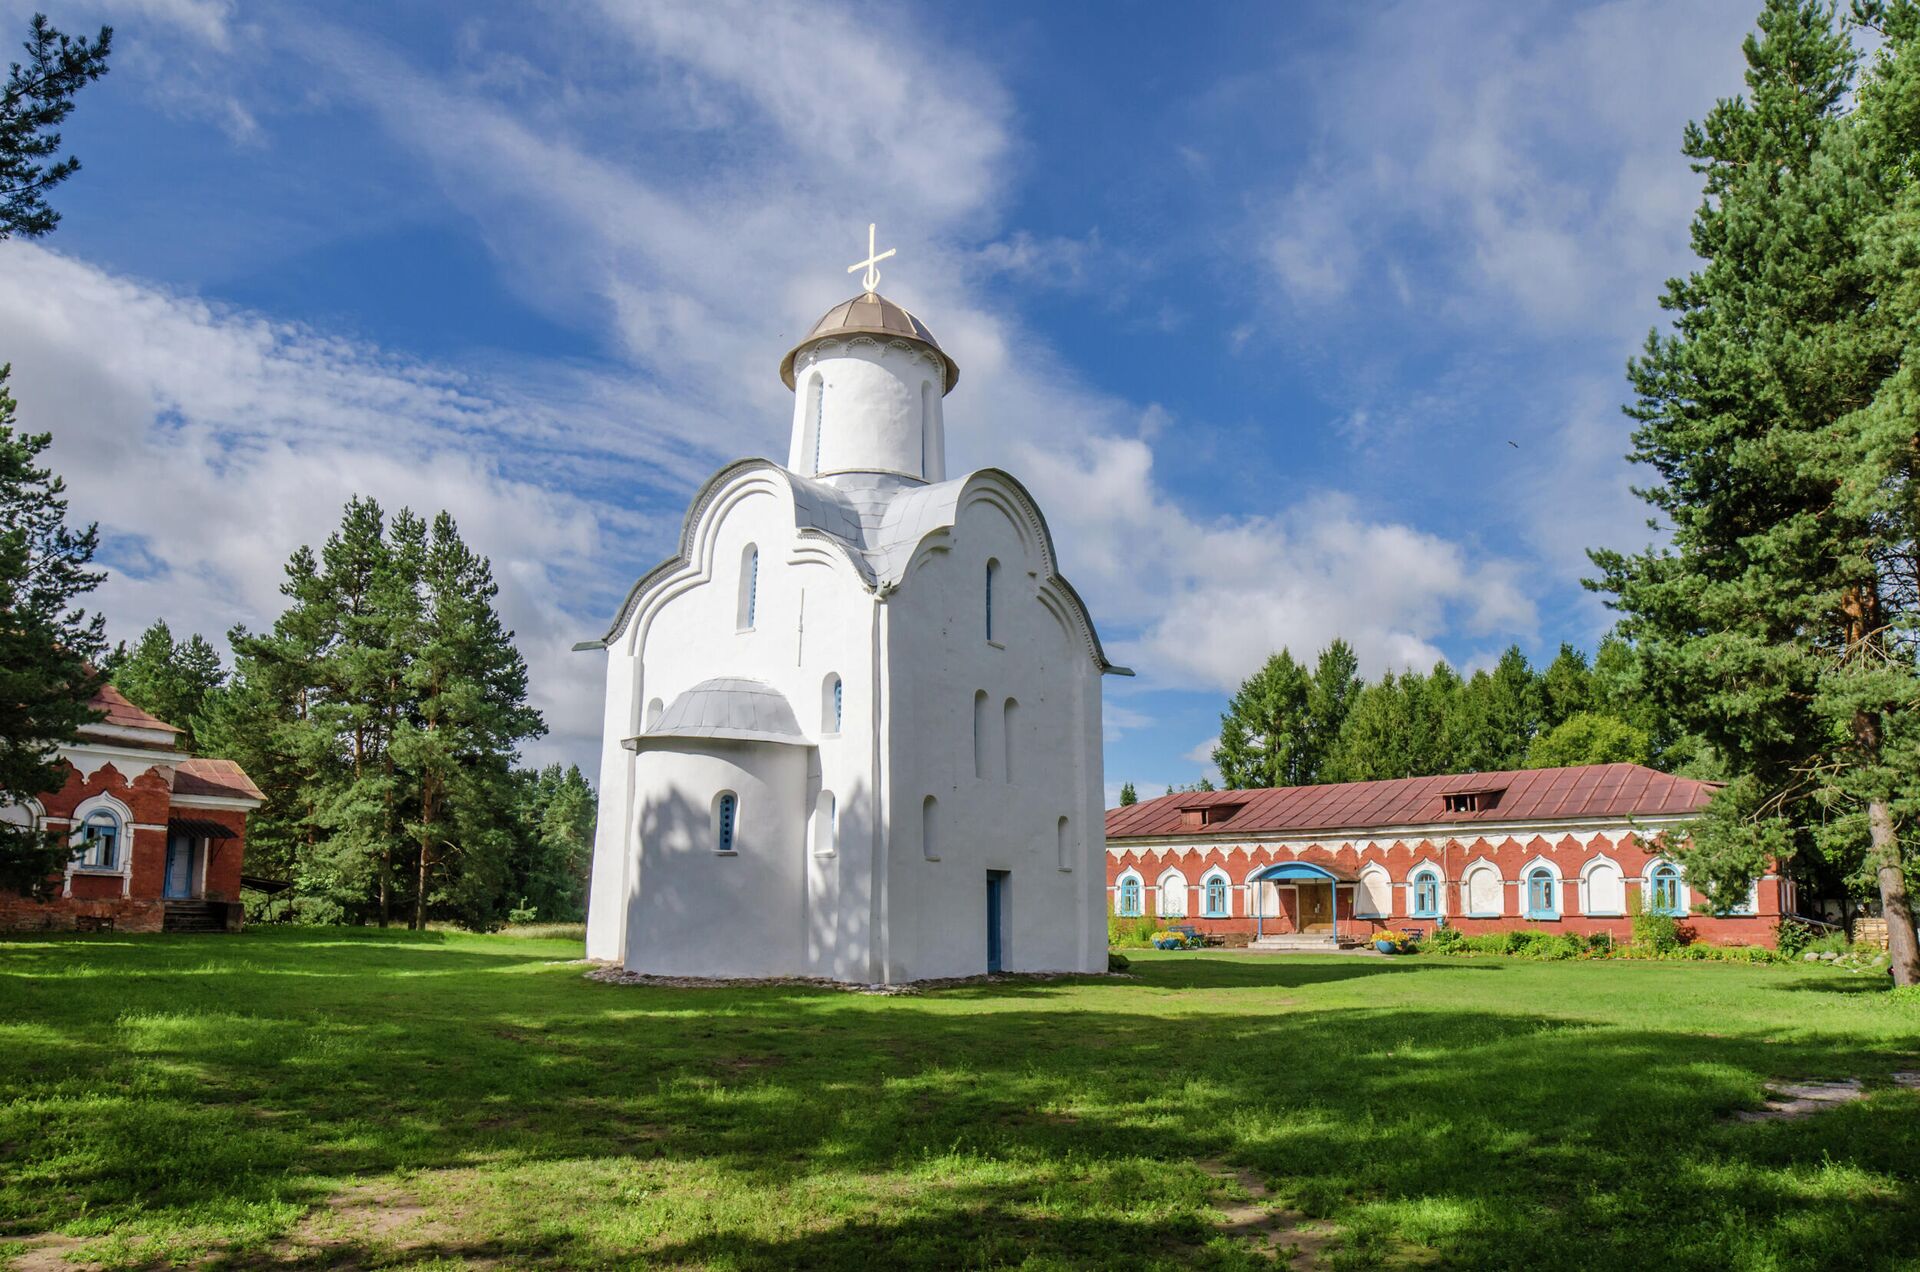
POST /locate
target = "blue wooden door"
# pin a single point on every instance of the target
(996, 898)
(179, 878)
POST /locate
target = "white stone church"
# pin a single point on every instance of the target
(853, 725)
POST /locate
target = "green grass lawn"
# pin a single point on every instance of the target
(336, 1098)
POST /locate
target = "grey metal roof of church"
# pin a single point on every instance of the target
(870, 314)
(728, 707)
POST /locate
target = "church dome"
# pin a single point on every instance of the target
(729, 707)
(870, 314)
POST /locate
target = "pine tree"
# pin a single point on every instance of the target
(467, 687)
(555, 843)
(175, 680)
(1128, 796)
(268, 721)
(1282, 725)
(1566, 688)
(1777, 417)
(1336, 684)
(1261, 732)
(46, 647)
(37, 98)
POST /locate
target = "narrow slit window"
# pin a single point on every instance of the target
(832, 700)
(727, 815)
(980, 735)
(993, 576)
(1009, 728)
(930, 828)
(749, 587)
(816, 408)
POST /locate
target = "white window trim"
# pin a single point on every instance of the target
(1370, 869)
(1120, 882)
(1559, 887)
(1586, 894)
(1466, 890)
(1212, 873)
(1646, 887)
(77, 822)
(1160, 890)
(1427, 866)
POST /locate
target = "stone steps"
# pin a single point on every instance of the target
(194, 916)
(1294, 941)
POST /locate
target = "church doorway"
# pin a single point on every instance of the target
(996, 920)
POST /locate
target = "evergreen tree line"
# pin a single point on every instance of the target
(381, 716)
(1294, 725)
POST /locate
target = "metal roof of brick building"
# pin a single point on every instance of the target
(1559, 794)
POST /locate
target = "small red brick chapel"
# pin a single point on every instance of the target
(159, 835)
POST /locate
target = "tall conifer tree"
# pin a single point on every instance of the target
(1778, 417)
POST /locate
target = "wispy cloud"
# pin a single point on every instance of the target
(689, 187)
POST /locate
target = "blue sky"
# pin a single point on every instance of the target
(1302, 321)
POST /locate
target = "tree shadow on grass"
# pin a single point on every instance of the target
(1866, 984)
(1002, 1118)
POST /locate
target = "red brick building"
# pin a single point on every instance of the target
(1564, 850)
(159, 835)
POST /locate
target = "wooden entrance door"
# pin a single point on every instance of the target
(1316, 908)
(178, 882)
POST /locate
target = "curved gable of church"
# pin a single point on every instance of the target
(922, 520)
(819, 513)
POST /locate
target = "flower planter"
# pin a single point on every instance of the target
(1386, 947)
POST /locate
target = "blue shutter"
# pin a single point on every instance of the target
(726, 823)
(837, 687)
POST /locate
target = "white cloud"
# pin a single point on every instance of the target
(1494, 158)
(211, 443)
(1202, 754)
(690, 186)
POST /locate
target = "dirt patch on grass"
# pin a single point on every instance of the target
(1261, 1218)
(371, 1224)
(1796, 1100)
(48, 1252)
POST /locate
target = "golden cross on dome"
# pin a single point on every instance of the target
(872, 263)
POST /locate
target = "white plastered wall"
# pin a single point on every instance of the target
(813, 616)
(935, 634)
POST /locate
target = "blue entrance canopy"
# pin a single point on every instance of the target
(1298, 870)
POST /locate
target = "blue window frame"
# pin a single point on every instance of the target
(1426, 895)
(729, 813)
(1130, 896)
(1215, 904)
(1665, 879)
(1543, 894)
(100, 841)
(837, 705)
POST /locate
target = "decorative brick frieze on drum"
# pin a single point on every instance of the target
(1566, 850)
